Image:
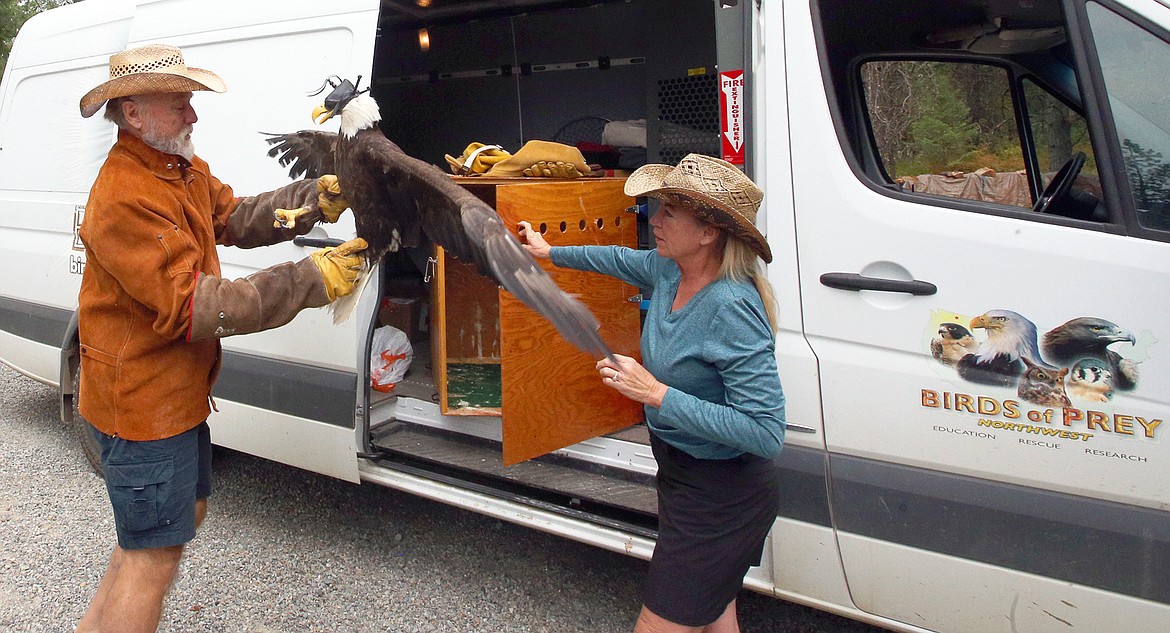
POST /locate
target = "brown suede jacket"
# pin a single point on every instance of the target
(151, 227)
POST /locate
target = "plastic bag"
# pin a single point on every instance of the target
(390, 356)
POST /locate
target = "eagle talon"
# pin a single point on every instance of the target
(287, 218)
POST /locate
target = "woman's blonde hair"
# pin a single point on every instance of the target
(740, 263)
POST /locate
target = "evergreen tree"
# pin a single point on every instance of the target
(13, 14)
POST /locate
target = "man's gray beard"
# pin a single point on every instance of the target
(180, 144)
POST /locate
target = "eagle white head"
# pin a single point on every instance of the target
(1008, 334)
(358, 109)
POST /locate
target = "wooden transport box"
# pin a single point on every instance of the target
(491, 355)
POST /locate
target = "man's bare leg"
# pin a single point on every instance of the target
(93, 615)
(148, 570)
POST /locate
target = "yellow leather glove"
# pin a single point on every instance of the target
(476, 159)
(329, 201)
(340, 266)
(553, 169)
(542, 159)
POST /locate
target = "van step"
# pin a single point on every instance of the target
(582, 482)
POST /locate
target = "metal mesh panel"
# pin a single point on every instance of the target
(688, 109)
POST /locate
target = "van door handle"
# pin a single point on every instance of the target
(317, 242)
(854, 281)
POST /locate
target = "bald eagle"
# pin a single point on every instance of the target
(398, 200)
(1090, 337)
(997, 361)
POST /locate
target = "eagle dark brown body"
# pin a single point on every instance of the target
(399, 201)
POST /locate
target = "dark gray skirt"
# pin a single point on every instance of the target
(713, 517)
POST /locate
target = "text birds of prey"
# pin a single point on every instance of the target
(397, 199)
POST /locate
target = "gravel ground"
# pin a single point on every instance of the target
(286, 551)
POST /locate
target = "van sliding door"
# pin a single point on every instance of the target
(287, 394)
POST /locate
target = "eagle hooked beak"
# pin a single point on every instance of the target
(321, 114)
(343, 92)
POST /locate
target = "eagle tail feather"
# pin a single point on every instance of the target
(343, 307)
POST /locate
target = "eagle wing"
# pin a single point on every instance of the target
(308, 153)
(401, 193)
(471, 230)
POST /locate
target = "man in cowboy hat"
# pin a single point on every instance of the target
(153, 306)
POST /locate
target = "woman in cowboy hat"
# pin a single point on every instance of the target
(153, 306)
(709, 386)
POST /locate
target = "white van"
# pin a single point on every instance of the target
(969, 206)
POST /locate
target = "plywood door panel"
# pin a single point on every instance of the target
(465, 327)
(552, 396)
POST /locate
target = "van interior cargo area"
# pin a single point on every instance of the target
(592, 75)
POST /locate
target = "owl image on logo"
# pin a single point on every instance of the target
(1043, 385)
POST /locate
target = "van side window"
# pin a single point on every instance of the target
(1133, 64)
(1058, 132)
(948, 129)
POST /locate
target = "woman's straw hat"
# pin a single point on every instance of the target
(147, 69)
(727, 197)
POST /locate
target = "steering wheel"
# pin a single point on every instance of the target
(1061, 184)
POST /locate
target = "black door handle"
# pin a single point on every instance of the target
(317, 242)
(854, 281)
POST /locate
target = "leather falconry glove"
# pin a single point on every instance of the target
(553, 169)
(476, 159)
(543, 159)
(330, 202)
(274, 296)
(340, 267)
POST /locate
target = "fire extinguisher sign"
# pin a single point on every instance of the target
(731, 101)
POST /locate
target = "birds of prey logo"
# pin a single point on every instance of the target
(401, 202)
(1073, 359)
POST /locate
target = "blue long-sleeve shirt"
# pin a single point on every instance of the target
(716, 354)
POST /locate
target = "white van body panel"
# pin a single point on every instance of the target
(56, 59)
(794, 357)
(978, 597)
(311, 445)
(294, 46)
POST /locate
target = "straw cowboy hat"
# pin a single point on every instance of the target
(147, 69)
(727, 198)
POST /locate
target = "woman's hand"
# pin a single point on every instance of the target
(631, 379)
(533, 241)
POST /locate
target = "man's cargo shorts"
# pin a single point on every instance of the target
(153, 485)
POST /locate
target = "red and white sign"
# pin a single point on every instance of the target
(731, 102)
